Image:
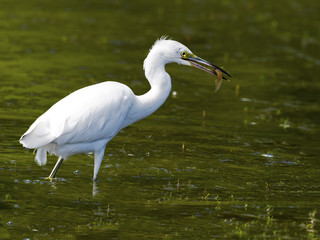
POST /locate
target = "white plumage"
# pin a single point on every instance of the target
(87, 119)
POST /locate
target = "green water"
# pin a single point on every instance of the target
(237, 164)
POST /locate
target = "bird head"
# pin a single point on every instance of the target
(168, 51)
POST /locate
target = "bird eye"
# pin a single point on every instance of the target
(184, 53)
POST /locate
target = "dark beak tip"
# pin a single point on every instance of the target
(224, 72)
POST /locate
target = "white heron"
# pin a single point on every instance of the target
(87, 119)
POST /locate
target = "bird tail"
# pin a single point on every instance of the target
(38, 134)
(41, 156)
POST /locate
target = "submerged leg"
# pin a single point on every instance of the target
(98, 155)
(55, 168)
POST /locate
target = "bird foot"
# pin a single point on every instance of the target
(50, 178)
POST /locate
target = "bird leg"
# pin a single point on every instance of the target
(98, 155)
(55, 168)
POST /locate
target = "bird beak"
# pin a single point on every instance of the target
(208, 67)
(204, 65)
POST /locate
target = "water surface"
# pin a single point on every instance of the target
(241, 163)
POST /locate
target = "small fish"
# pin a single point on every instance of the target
(218, 80)
(207, 67)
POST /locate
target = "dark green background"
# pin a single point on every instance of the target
(248, 169)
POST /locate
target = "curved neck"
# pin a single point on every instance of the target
(149, 102)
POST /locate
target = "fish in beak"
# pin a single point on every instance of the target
(206, 66)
